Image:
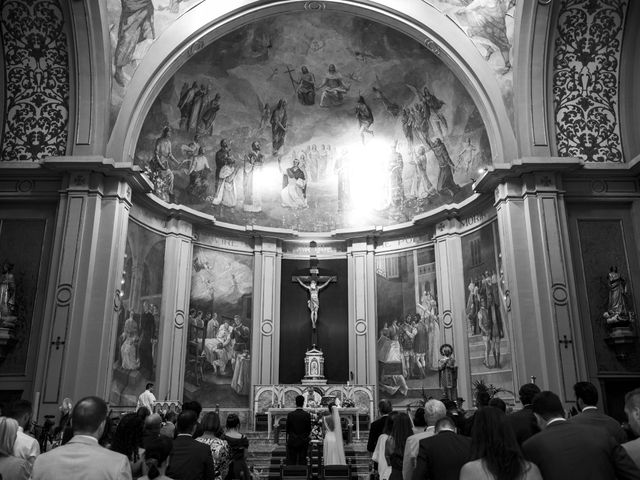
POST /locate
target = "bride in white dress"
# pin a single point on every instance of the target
(333, 449)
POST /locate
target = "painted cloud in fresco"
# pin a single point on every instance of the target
(224, 278)
(379, 128)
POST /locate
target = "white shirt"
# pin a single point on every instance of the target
(411, 450)
(146, 399)
(26, 447)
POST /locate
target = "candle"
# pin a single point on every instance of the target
(273, 396)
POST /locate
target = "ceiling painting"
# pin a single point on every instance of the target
(313, 121)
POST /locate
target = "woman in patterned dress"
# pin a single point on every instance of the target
(220, 450)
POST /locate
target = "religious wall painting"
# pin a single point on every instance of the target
(338, 122)
(409, 335)
(218, 360)
(133, 26)
(487, 322)
(138, 316)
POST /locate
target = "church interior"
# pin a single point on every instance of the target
(245, 201)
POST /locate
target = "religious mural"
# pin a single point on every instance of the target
(218, 362)
(313, 121)
(487, 325)
(138, 316)
(409, 327)
(133, 26)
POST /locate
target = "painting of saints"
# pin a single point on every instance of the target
(130, 341)
(136, 25)
(226, 194)
(334, 88)
(306, 87)
(252, 167)
(293, 193)
(278, 126)
(365, 117)
(162, 175)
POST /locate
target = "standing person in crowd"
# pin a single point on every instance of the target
(195, 407)
(587, 401)
(156, 458)
(238, 443)
(377, 426)
(152, 426)
(169, 426)
(632, 409)
(433, 411)
(523, 422)
(220, 451)
(498, 403)
(298, 431)
(128, 441)
(25, 446)
(82, 457)
(565, 450)
(147, 398)
(379, 460)
(441, 456)
(482, 400)
(419, 422)
(394, 449)
(11, 466)
(495, 451)
(189, 459)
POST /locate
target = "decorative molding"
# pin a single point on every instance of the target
(63, 294)
(361, 327)
(266, 327)
(178, 319)
(432, 46)
(559, 293)
(315, 6)
(586, 78)
(37, 80)
(598, 186)
(24, 186)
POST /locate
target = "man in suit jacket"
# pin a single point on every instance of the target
(377, 427)
(565, 450)
(523, 422)
(298, 431)
(632, 409)
(442, 456)
(586, 400)
(82, 457)
(190, 459)
(434, 410)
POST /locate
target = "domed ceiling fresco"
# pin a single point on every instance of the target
(313, 121)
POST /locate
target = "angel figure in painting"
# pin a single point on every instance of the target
(448, 372)
(314, 298)
(364, 117)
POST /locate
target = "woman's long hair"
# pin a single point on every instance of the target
(128, 436)
(8, 434)
(401, 430)
(156, 454)
(211, 423)
(493, 441)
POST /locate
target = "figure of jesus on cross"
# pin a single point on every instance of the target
(314, 283)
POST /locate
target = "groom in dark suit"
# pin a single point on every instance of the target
(298, 431)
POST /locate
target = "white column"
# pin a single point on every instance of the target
(266, 311)
(174, 310)
(362, 311)
(451, 305)
(83, 288)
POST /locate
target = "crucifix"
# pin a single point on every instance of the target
(314, 282)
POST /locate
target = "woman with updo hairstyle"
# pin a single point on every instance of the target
(155, 458)
(10, 466)
(495, 452)
(220, 450)
(238, 443)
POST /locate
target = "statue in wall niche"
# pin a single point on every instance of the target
(8, 311)
(448, 372)
(617, 308)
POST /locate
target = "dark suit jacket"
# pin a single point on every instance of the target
(190, 460)
(442, 456)
(375, 430)
(298, 428)
(566, 450)
(523, 423)
(596, 418)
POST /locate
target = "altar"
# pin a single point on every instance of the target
(276, 401)
(274, 414)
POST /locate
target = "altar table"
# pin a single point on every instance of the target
(276, 413)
